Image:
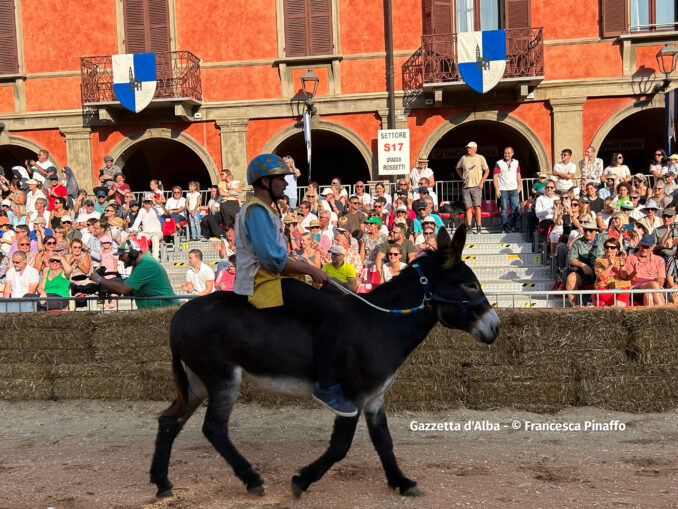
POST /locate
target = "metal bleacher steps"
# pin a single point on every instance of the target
(507, 263)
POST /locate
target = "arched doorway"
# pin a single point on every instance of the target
(636, 136)
(168, 161)
(14, 155)
(337, 152)
(491, 137)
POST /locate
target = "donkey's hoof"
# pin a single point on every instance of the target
(297, 487)
(256, 490)
(164, 490)
(412, 491)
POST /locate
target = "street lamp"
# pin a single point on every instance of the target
(309, 86)
(666, 61)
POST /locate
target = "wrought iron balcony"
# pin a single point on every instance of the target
(524, 56)
(178, 75)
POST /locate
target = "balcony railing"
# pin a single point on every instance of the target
(178, 75)
(524, 55)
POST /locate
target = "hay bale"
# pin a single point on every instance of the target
(97, 370)
(49, 357)
(98, 388)
(630, 393)
(135, 330)
(25, 389)
(422, 395)
(536, 373)
(47, 338)
(24, 370)
(133, 354)
(158, 381)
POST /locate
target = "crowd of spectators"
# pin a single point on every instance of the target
(611, 230)
(608, 228)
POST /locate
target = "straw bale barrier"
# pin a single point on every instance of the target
(543, 360)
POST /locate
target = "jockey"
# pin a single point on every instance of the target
(262, 274)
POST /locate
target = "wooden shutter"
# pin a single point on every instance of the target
(158, 26)
(517, 13)
(146, 26)
(442, 16)
(9, 60)
(320, 27)
(308, 28)
(613, 17)
(426, 21)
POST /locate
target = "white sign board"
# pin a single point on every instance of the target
(393, 149)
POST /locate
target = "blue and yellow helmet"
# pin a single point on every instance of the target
(266, 165)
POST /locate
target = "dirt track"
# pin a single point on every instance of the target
(87, 454)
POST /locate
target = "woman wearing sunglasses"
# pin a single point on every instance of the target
(46, 248)
(55, 282)
(607, 269)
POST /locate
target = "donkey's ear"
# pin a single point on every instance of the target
(442, 239)
(456, 245)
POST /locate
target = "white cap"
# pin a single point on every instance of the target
(472, 144)
(401, 208)
(428, 219)
(337, 249)
(32, 182)
(7, 202)
(327, 192)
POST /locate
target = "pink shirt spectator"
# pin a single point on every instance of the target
(225, 280)
(648, 268)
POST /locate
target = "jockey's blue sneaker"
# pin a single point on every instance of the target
(334, 399)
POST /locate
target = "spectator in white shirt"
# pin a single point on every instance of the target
(33, 194)
(564, 171)
(364, 198)
(148, 226)
(39, 211)
(617, 169)
(21, 279)
(421, 170)
(176, 206)
(506, 180)
(543, 207)
(86, 212)
(591, 167)
(199, 277)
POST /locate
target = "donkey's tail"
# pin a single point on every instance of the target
(176, 409)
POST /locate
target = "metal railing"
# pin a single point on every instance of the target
(543, 299)
(524, 55)
(178, 77)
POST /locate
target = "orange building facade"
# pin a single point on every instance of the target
(579, 73)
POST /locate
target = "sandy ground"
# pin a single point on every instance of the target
(89, 454)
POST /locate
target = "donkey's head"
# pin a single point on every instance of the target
(456, 295)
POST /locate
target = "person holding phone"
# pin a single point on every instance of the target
(666, 235)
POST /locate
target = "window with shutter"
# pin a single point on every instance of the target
(517, 13)
(308, 27)
(613, 17)
(147, 26)
(442, 16)
(9, 59)
(426, 26)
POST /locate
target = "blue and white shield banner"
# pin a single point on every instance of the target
(482, 58)
(134, 79)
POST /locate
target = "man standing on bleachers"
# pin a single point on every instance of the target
(507, 186)
(473, 170)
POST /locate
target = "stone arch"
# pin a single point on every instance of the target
(31, 145)
(494, 116)
(119, 152)
(324, 125)
(623, 113)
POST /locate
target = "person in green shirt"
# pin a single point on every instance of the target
(148, 278)
(339, 269)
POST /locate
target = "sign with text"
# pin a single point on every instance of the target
(393, 149)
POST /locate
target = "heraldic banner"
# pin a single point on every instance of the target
(134, 79)
(482, 58)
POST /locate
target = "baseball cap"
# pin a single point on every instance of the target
(647, 240)
(400, 221)
(472, 144)
(66, 218)
(32, 182)
(101, 193)
(428, 219)
(669, 212)
(542, 175)
(373, 219)
(327, 191)
(89, 202)
(53, 176)
(627, 205)
(336, 249)
(39, 220)
(132, 203)
(422, 189)
(314, 224)
(7, 202)
(674, 156)
(105, 238)
(401, 208)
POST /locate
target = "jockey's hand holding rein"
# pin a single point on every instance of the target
(299, 267)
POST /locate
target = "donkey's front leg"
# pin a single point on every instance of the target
(340, 443)
(383, 443)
